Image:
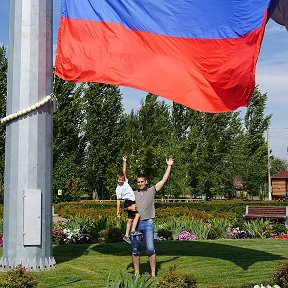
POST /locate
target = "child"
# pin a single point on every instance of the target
(125, 192)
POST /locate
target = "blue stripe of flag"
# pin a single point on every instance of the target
(208, 19)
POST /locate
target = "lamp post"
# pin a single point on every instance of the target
(269, 165)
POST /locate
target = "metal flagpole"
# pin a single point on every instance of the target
(28, 150)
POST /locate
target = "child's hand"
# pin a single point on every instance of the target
(124, 158)
(118, 215)
(170, 161)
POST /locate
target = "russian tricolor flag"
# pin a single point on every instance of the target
(199, 53)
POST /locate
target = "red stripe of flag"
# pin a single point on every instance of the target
(203, 74)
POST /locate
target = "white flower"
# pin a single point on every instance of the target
(268, 286)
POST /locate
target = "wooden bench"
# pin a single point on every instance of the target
(267, 212)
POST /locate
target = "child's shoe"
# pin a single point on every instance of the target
(127, 239)
(135, 233)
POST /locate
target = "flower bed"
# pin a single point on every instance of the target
(283, 236)
(185, 235)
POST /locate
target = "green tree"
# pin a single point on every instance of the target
(212, 142)
(148, 140)
(102, 136)
(255, 147)
(153, 139)
(3, 95)
(68, 147)
(130, 127)
(178, 184)
(180, 121)
(278, 165)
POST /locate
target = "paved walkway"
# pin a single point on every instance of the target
(57, 218)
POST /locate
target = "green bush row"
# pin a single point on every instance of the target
(197, 209)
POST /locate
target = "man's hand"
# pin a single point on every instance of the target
(161, 183)
(124, 158)
(118, 214)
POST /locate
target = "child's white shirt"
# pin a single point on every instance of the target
(125, 191)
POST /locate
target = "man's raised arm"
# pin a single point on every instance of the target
(161, 183)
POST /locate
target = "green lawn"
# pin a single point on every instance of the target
(228, 263)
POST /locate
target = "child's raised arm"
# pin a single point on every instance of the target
(124, 165)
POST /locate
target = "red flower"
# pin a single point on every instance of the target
(284, 236)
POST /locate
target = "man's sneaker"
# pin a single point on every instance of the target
(127, 239)
(135, 233)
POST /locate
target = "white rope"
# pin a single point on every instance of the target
(27, 110)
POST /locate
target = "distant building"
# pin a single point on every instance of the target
(237, 183)
(279, 184)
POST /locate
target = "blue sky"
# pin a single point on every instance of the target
(271, 75)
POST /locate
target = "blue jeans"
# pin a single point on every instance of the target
(146, 227)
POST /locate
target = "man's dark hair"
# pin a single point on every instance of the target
(141, 175)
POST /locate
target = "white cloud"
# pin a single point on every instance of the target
(275, 29)
(274, 82)
(272, 77)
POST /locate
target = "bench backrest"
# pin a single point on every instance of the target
(266, 210)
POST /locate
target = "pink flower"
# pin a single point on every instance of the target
(185, 235)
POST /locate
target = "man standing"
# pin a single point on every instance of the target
(144, 197)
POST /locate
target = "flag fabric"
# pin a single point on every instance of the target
(280, 14)
(201, 54)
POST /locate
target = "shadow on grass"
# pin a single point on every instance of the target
(145, 265)
(243, 257)
(65, 253)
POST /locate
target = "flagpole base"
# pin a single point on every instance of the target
(34, 264)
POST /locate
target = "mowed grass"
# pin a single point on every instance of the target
(227, 263)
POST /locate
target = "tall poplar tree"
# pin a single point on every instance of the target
(255, 147)
(179, 180)
(153, 138)
(68, 147)
(211, 143)
(102, 134)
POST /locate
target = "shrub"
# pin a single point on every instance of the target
(1, 225)
(280, 275)
(76, 230)
(218, 228)
(199, 229)
(165, 234)
(58, 236)
(19, 278)
(237, 233)
(111, 234)
(172, 279)
(177, 225)
(174, 224)
(259, 228)
(278, 229)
